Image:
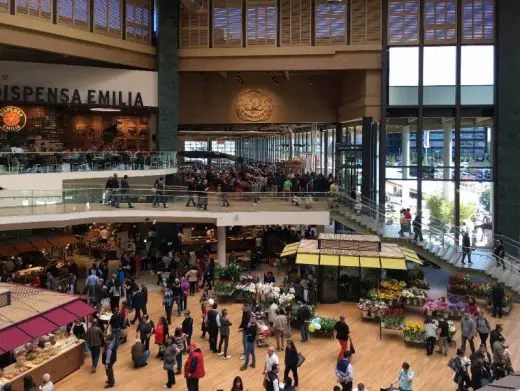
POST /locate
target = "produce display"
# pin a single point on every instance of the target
(35, 354)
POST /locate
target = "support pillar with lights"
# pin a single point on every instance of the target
(221, 246)
(168, 75)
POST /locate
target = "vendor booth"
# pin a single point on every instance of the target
(33, 337)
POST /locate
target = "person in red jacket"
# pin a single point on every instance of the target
(194, 368)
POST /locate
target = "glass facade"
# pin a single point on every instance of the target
(439, 124)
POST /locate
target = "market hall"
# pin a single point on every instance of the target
(291, 194)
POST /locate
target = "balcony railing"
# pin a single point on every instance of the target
(38, 202)
(46, 162)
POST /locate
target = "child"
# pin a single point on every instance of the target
(187, 325)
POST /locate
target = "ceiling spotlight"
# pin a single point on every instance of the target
(309, 82)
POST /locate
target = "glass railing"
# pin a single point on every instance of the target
(17, 203)
(46, 162)
(434, 239)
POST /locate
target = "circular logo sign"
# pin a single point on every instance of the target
(253, 106)
(12, 119)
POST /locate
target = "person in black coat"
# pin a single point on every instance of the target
(480, 376)
(466, 247)
(291, 361)
(213, 326)
(144, 290)
(497, 297)
(108, 359)
(138, 304)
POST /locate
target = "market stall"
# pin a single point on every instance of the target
(33, 337)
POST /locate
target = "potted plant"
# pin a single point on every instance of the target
(393, 318)
(414, 332)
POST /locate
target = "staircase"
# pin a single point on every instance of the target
(437, 246)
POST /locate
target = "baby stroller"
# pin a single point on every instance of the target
(264, 331)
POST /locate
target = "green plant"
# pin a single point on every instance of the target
(485, 199)
(228, 273)
(444, 210)
(224, 287)
(327, 326)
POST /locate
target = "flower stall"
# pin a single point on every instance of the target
(371, 309)
(481, 291)
(415, 296)
(420, 284)
(414, 332)
(391, 319)
(437, 307)
(459, 284)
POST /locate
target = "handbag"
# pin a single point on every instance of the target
(352, 349)
(301, 359)
(168, 365)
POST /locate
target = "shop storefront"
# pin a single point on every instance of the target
(51, 108)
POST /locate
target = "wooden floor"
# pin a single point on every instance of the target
(376, 361)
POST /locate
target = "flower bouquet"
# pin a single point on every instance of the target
(414, 332)
(393, 285)
(421, 284)
(415, 296)
(372, 308)
(456, 306)
(480, 290)
(393, 318)
(458, 283)
(248, 278)
(438, 306)
(384, 295)
(245, 292)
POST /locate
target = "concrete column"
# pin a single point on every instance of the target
(221, 246)
(291, 146)
(447, 161)
(314, 130)
(168, 75)
(405, 158)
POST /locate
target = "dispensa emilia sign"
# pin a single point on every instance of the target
(69, 96)
(12, 119)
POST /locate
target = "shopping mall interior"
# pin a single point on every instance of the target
(245, 173)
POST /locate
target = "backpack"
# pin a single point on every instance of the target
(453, 364)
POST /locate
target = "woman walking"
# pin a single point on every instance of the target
(169, 356)
(291, 362)
(145, 330)
(161, 333)
(179, 340)
(431, 336)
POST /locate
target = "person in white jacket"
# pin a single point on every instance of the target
(47, 384)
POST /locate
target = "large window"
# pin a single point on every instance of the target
(439, 75)
(404, 76)
(223, 146)
(478, 21)
(194, 31)
(331, 23)
(107, 17)
(440, 24)
(477, 74)
(295, 20)
(73, 13)
(227, 23)
(403, 21)
(261, 22)
(37, 8)
(138, 20)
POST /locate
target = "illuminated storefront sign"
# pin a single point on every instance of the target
(68, 96)
(12, 119)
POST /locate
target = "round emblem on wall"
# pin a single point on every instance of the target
(253, 106)
(12, 119)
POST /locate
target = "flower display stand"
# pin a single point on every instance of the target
(384, 326)
(367, 316)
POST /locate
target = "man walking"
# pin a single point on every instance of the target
(246, 316)
(94, 339)
(213, 319)
(125, 191)
(168, 303)
(468, 331)
(345, 372)
(499, 253)
(159, 192)
(304, 316)
(109, 358)
(341, 333)
(281, 329)
(250, 332)
(466, 247)
(497, 298)
(112, 186)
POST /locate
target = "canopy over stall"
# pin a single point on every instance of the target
(28, 313)
(364, 251)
